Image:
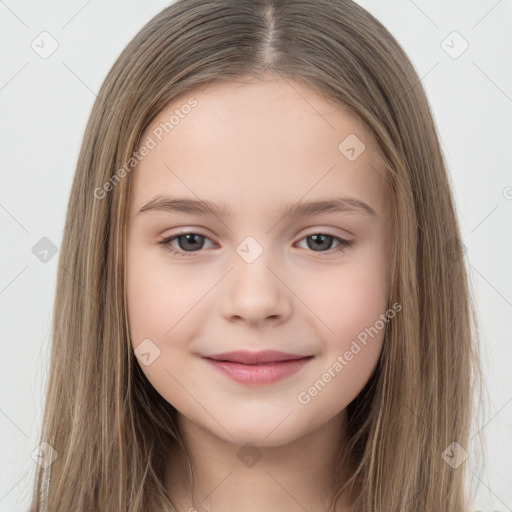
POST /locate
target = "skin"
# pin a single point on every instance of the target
(257, 146)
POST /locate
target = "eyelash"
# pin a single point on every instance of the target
(166, 243)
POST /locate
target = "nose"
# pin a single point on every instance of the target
(255, 293)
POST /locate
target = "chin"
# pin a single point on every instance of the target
(264, 434)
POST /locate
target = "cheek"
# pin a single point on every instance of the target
(351, 302)
(161, 309)
(350, 297)
(160, 299)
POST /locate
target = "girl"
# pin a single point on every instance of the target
(208, 353)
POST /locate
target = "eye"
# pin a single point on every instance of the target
(193, 242)
(321, 241)
(189, 242)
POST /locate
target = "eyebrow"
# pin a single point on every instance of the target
(294, 210)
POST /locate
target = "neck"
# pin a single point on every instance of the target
(296, 476)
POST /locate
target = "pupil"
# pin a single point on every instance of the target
(189, 241)
(319, 244)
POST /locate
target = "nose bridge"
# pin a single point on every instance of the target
(251, 249)
(254, 290)
(253, 261)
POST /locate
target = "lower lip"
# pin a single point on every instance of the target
(258, 373)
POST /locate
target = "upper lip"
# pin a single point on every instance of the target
(246, 357)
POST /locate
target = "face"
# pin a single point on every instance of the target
(256, 273)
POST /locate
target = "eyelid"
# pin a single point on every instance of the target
(326, 230)
(308, 231)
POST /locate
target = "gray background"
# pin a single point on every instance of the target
(45, 103)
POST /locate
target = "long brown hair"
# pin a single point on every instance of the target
(110, 429)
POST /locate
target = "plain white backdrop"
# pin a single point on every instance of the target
(461, 50)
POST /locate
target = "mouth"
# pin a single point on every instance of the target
(262, 357)
(263, 367)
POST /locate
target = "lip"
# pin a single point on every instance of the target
(247, 357)
(263, 367)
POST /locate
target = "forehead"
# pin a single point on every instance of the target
(256, 144)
